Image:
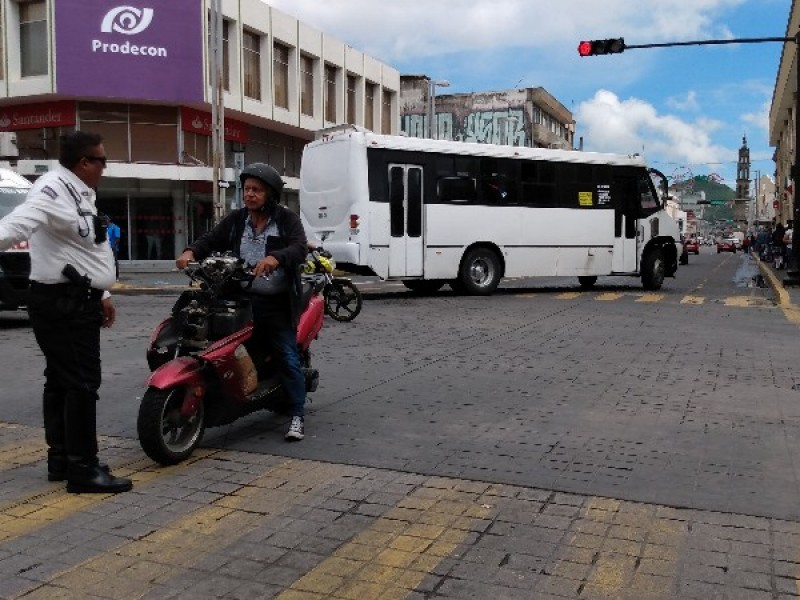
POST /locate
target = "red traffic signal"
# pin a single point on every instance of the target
(597, 47)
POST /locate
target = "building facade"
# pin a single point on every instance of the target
(783, 120)
(140, 73)
(528, 117)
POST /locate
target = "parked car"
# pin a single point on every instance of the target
(693, 246)
(726, 245)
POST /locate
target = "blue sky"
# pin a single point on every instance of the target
(685, 109)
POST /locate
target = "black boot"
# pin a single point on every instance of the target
(57, 466)
(91, 478)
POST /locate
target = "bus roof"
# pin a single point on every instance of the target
(412, 144)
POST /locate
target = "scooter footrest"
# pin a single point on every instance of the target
(264, 389)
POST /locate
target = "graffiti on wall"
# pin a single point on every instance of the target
(484, 127)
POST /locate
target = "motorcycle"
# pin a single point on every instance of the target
(203, 374)
(343, 299)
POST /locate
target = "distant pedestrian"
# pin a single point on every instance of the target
(114, 233)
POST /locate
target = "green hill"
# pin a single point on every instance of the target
(715, 191)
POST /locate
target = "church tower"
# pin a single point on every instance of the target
(742, 199)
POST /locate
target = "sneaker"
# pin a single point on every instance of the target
(296, 429)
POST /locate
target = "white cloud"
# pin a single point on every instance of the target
(688, 103)
(759, 119)
(397, 31)
(608, 124)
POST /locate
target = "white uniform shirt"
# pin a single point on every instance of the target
(60, 230)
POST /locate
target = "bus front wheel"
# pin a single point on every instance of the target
(479, 274)
(587, 281)
(653, 270)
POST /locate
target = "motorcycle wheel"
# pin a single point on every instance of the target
(342, 300)
(165, 435)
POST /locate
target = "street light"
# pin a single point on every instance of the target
(432, 85)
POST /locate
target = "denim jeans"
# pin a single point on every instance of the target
(273, 331)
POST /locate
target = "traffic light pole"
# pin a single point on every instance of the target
(587, 48)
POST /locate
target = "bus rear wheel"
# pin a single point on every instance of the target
(587, 281)
(479, 274)
(653, 270)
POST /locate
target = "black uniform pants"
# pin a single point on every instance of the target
(66, 324)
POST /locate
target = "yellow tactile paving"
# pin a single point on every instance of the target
(569, 295)
(607, 296)
(650, 298)
(693, 300)
(51, 502)
(134, 567)
(392, 557)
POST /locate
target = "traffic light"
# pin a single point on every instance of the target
(597, 47)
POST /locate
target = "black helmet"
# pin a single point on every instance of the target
(265, 173)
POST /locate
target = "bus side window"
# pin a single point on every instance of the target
(538, 180)
(498, 182)
(460, 190)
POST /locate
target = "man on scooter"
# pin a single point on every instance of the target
(270, 237)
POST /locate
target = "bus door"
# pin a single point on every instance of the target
(405, 220)
(626, 214)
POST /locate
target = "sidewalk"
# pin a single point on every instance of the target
(787, 297)
(151, 283)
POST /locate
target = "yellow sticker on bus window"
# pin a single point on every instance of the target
(585, 198)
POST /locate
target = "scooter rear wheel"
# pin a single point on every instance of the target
(167, 436)
(342, 300)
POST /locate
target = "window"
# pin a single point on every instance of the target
(251, 51)
(2, 37)
(498, 181)
(280, 67)
(135, 133)
(154, 134)
(460, 190)
(351, 99)
(226, 84)
(226, 57)
(386, 112)
(330, 93)
(307, 85)
(33, 38)
(646, 195)
(369, 106)
(538, 183)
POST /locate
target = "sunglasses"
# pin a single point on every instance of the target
(101, 159)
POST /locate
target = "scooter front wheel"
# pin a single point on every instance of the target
(166, 435)
(342, 300)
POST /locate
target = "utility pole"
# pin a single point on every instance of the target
(217, 112)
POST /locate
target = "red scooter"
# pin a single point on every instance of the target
(202, 372)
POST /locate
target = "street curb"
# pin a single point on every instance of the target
(784, 301)
(123, 289)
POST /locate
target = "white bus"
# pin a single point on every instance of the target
(15, 263)
(430, 212)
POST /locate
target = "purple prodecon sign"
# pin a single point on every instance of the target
(142, 49)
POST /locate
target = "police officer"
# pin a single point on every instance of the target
(271, 238)
(72, 269)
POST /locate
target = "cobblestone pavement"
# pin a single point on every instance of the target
(304, 522)
(230, 524)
